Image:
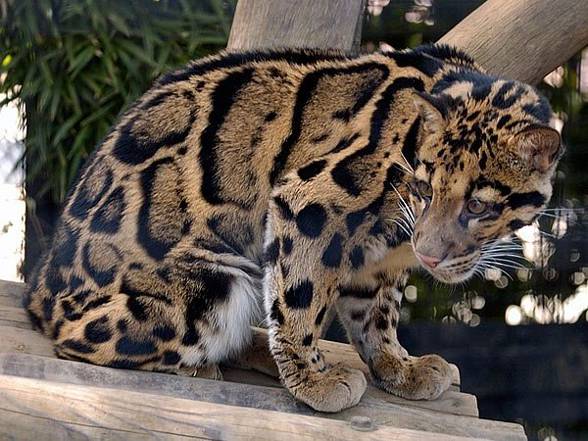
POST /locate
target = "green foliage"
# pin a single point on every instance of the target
(76, 64)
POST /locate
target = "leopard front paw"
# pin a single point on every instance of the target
(413, 378)
(334, 389)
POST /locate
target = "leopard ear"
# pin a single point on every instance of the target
(431, 111)
(539, 146)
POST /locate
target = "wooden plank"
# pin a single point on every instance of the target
(122, 410)
(325, 24)
(380, 412)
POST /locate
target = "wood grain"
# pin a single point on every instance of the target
(252, 396)
(523, 39)
(326, 24)
(100, 410)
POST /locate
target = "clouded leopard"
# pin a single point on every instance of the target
(281, 185)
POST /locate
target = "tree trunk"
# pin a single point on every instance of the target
(320, 24)
(523, 39)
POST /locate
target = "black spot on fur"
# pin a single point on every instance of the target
(331, 257)
(171, 357)
(272, 252)
(311, 220)
(137, 309)
(320, 316)
(516, 224)
(223, 98)
(283, 208)
(287, 245)
(356, 218)
(121, 325)
(518, 200)
(77, 346)
(164, 332)
(299, 296)
(48, 306)
(108, 217)
(270, 116)
(307, 340)
(191, 337)
(96, 303)
(98, 331)
(502, 121)
(358, 292)
(128, 346)
(357, 315)
(419, 60)
(409, 146)
(276, 314)
(311, 170)
(356, 257)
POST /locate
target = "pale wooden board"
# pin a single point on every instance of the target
(68, 411)
(258, 397)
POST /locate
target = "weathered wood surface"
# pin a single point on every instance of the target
(380, 412)
(264, 392)
(383, 409)
(523, 39)
(326, 24)
(64, 408)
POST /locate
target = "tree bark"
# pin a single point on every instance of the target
(320, 24)
(522, 39)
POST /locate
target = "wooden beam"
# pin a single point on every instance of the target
(523, 39)
(72, 411)
(321, 24)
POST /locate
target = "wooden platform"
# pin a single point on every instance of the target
(43, 398)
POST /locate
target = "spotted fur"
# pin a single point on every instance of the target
(279, 181)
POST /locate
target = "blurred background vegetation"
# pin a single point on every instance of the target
(74, 65)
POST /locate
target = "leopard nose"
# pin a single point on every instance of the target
(429, 261)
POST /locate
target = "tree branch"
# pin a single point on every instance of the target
(522, 39)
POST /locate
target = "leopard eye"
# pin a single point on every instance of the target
(424, 189)
(477, 207)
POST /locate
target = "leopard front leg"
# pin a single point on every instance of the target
(299, 289)
(370, 314)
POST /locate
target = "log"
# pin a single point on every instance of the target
(72, 411)
(320, 24)
(522, 39)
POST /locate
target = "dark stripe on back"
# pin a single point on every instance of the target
(305, 93)
(223, 98)
(342, 172)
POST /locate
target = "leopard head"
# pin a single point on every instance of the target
(483, 168)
